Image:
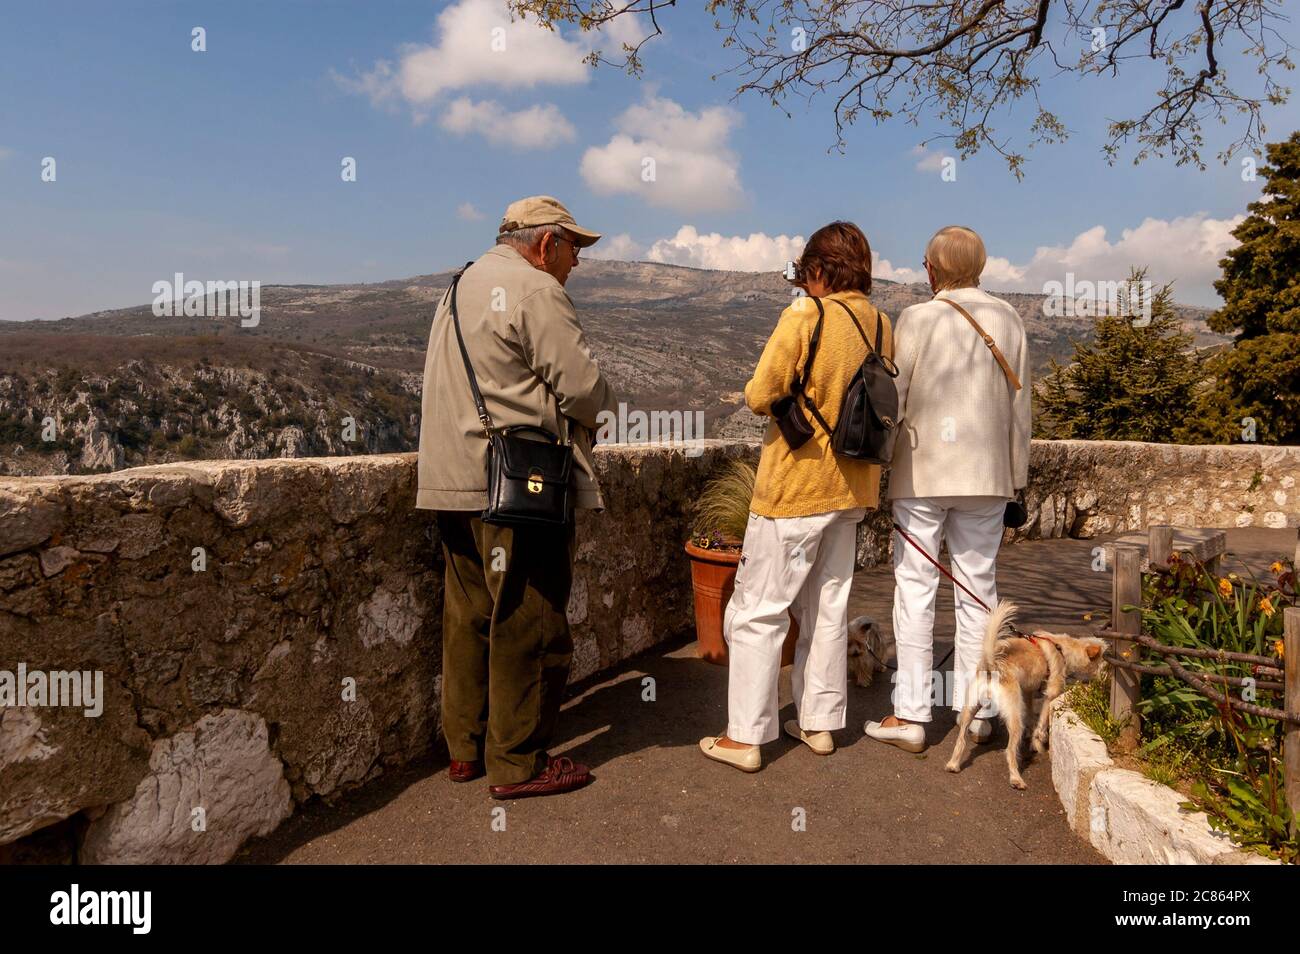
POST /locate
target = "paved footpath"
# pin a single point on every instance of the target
(656, 799)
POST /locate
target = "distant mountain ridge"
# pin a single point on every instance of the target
(125, 388)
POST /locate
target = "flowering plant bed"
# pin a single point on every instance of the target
(1209, 724)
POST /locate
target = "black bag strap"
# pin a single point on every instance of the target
(801, 382)
(799, 385)
(483, 416)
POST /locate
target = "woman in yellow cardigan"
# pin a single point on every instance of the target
(801, 537)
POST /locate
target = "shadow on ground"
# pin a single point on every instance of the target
(657, 799)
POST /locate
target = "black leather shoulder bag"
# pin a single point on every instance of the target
(528, 477)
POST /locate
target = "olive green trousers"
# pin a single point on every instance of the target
(506, 646)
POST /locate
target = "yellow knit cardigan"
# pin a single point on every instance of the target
(812, 479)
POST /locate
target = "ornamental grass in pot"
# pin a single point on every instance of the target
(717, 533)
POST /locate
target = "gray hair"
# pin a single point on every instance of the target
(527, 238)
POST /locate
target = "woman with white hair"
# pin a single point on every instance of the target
(962, 453)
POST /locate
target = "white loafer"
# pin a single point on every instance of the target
(819, 742)
(980, 731)
(909, 736)
(747, 760)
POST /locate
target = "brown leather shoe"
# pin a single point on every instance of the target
(560, 775)
(464, 771)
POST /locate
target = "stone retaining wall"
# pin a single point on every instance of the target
(300, 661)
(268, 631)
(1086, 488)
(1124, 815)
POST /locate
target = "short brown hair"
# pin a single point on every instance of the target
(841, 253)
(957, 256)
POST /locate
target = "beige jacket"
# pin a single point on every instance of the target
(965, 432)
(528, 351)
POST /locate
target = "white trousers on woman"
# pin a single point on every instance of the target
(804, 565)
(973, 529)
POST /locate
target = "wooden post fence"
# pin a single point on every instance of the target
(1126, 590)
(1126, 633)
(1160, 545)
(1291, 740)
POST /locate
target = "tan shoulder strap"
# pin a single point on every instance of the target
(988, 340)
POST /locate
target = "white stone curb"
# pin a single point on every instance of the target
(1126, 816)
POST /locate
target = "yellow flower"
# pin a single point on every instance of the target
(1266, 606)
(1225, 587)
(1276, 567)
(1278, 648)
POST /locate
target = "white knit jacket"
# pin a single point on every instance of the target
(965, 431)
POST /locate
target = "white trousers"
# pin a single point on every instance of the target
(973, 529)
(804, 565)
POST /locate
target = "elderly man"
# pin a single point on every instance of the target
(505, 637)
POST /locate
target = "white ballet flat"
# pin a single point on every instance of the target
(819, 742)
(747, 760)
(909, 736)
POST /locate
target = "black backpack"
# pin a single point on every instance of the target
(868, 423)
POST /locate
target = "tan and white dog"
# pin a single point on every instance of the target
(869, 650)
(1013, 670)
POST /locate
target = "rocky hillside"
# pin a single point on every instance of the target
(124, 388)
(226, 401)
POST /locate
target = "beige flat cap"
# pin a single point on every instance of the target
(544, 210)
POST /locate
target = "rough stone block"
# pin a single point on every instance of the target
(1078, 754)
(208, 790)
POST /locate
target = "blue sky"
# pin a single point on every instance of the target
(225, 164)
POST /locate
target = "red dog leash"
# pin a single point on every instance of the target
(956, 582)
(940, 567)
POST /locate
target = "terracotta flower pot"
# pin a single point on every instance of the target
(713, 578)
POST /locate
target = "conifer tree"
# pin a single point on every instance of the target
(1255, 394)
(1133, 381)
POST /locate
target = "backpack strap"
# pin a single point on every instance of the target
(800, 383)
(998, 356)
(890, 368)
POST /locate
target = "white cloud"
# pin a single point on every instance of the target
(537, 127)
(670, 157)
(757, 252)
(1185, 250)
(466, 212)
(618, 248)
(881, 268)
(928, 161)
(621, 32)
(475, 43)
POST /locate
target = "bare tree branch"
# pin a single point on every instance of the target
(961, 62)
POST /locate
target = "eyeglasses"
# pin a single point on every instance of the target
(571, 243)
